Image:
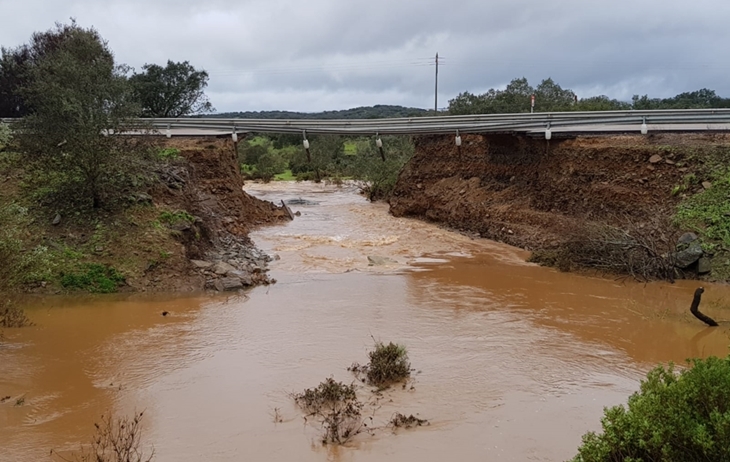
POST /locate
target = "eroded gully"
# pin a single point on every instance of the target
(514, 361)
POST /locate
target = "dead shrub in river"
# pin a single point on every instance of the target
(115, 440)
(388, 365)
(642, 252)
(402, 421)
(12, 316)
(336, 407)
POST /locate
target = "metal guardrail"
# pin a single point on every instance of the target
(571, 122)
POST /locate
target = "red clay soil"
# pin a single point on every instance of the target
(213, 188)
(206, 183)
(532, 193)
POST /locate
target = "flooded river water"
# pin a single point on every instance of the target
(515, 362)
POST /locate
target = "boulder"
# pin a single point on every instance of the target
(56, 220)
(704, 265)
(655, 159)
(201, 264)
(688, 256)
(243, 276)
(687, 238)
(222, 268)
(381, 261)
(226, 284)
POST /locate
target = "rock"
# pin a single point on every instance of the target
(704, 265)
(143, 198)
(655, 159)
(243, 276)
(226, 284)
(222, 268)
(706, 184)
(687, 238)
(381, 261)
(201, 264)
(690, 255)
(670, 162)
(56, 220)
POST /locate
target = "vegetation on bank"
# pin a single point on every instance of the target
(332, 158)
(704, 208)
(74, 208)
(681, 416)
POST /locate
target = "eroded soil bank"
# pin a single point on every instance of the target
(535, 194)
(187, 231)
(206, 183)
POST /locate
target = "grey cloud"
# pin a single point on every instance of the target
(333, 54)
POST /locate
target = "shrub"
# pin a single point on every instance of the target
(388, 364)
(674, 417)
(708, 212)
(115, 440)
(176, 217)
(168, 154)
(380, 177)
(337, 408)
(5, 135)
(94, 278)
(19, 264)
(13, 317)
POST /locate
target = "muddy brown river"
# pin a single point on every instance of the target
(514, 362)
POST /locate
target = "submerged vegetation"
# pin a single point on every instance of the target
(388, 365)
(674, 417)
(116, 439)
(13, 317)
(336, 407)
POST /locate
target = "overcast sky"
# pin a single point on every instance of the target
(313, 55)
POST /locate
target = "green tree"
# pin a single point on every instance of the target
(467, 103)
(645, 103)
(269, 165)
(175, 90)
(601, 103)
(73, 142)
(380, 177)
(551, 97)
(514, 98)
(674, 417)
(15, 64)
(326, 152)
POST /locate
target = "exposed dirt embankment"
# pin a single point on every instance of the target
(534, 194)
(206, 183)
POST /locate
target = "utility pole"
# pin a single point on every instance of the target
(436, 91)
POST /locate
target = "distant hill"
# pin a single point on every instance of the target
(365, 112)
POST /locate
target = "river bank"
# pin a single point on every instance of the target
(185, 231)
(513, 361)
(553, 197)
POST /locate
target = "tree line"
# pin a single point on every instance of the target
(173, 90)
(551, 97)
(76, 103)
